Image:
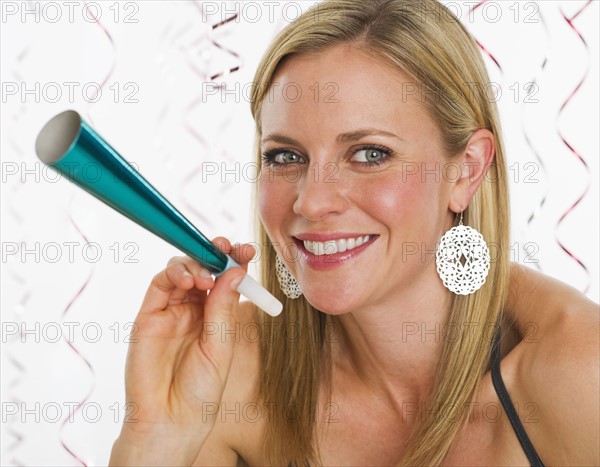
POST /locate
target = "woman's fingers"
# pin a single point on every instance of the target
(243, 254)
(178, 282)
(180, 274)
(171, 285)
(222, 244)
(162, 287)
(240, 252)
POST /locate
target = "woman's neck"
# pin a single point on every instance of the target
(393, 346)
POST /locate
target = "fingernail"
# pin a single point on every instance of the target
(204, 273)
(186, 273)
(236, 282)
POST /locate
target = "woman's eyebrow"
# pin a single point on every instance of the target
(361, 133)
(278, 138)
(341, 138)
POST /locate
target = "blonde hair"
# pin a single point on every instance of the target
(424, 40)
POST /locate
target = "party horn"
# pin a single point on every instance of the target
(72, 148)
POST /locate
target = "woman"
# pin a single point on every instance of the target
(375, 134)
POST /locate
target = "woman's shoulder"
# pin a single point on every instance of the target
(559, 363)
(544, 300)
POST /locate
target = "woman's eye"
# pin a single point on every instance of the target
(276, 157)
(370, 156)
(286, 157)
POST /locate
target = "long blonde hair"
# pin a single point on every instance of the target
(424, 40)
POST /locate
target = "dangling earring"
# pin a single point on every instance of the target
(462, 259)
(288, 284)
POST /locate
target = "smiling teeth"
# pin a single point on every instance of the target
(331, 247)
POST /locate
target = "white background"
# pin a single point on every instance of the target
(173, 130)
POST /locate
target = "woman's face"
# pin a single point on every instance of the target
(352, 153)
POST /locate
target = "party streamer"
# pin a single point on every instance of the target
(570, 147)
(204, 52)
(481, 46)
(166, 70)
(175, 36)
(113, 64)
(88, 279)
(221, 74)
(69, 306)
(11, 451)
(537, 209)
(226, 71)
(13, 207)
(199, 48)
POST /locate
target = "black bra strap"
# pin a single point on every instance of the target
(509, 408)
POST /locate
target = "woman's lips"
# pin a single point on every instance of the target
(325, 262)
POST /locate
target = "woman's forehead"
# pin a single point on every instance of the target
(342, 88)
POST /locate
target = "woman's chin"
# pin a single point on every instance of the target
(332, 302)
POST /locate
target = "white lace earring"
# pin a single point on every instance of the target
(289, 285)
(462, 259)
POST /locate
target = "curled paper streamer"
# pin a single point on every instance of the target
(222, 73)
(571, 148)
(190, 126)
(88, 279)
(209, 41)
(229, 70)
(481, 46)
(537, 209)
(87, 363)
(11, 451)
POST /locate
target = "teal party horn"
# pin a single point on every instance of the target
(72, 148)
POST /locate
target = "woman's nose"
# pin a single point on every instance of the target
(320, 192)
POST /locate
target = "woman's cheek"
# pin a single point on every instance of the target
(273, 203)
(396, 194)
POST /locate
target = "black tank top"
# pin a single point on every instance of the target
(509, 408)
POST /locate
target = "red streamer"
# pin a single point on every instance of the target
(532, 148)
(570, 147)
(10, 454)
(481, 46)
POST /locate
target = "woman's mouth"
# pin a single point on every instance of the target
(332, 253)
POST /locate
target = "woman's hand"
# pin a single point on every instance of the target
(179, 360)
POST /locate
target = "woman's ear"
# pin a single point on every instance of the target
(475, 162)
